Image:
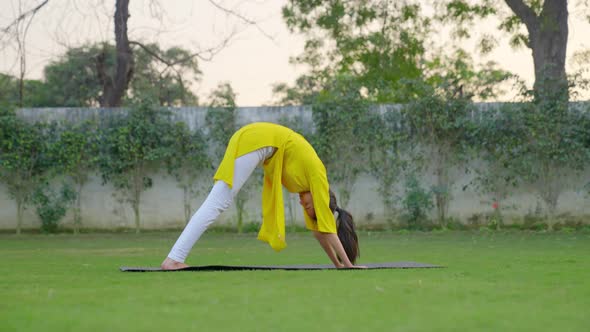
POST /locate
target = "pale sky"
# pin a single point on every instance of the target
(256, 58)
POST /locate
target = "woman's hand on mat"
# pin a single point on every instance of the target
(170, 264)
(352, 267)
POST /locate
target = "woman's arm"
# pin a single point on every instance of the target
(333, 248)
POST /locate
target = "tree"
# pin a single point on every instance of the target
(114, 86)
(52, 206)
(548, 146)
(548, 32)
(439, 126)
(388, 155)
(18, 30)
(340, 118)
(73, 79)
(539, 149)
(221, 118)
(187, 161)
(497, 137)
(133, 149)
(37, 93)
(382, 41)
(166, 74)
(377, 42)
(545, 33)
(439, 119)
(115, 74)
(23, 160)
(76, 154)
(221, 122)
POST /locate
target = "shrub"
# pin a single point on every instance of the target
(534, 222)
(495, 221)
(51, 206)
(250, 227)
(456, 225)
(416, 204)
(568, 224)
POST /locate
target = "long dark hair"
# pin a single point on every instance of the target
(345, 229)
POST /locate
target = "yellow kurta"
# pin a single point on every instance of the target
(295, 165)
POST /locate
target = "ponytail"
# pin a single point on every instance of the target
(345, 230)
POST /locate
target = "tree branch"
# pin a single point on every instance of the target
(241, 18)
(150, 52)
(525, 13)
(31, 12)
(205, 55)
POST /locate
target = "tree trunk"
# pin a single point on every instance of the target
(549, 46)
(19, 215)
(136, 213)
(21, 86)
(78, 210)
(114, 88)
(137, 201)
(187, 204)
(441, 194)
(548, 33)
(240, 204)
(550, 190)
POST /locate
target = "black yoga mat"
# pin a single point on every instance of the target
(391, 265)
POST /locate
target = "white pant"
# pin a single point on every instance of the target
(219, 200)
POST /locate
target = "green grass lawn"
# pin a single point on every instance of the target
(505, 281)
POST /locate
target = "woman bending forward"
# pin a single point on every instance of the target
(288, 160)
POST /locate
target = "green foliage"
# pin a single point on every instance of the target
(440, 128)
(35, 93)
(304, 90)
(387, 154)
(497, 136)
(221, 121)
(24, 160)
(341, 122)
(32, 154)
(8, 92)
(379, 43)
(534, 224)
(463, 15)
(536, 144)
(457, 75)
(187, 161)
(553, 140)
(220, 118)
(416, 204)
(165, 74)
(375, 52)
(568, 224)
(51, 206)
(72, 80)
(76, 154)
(541, 26)
(76, 149)
(132, 149)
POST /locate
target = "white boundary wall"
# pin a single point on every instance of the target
(162, 205)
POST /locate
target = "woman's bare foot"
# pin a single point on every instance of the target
(170, 264)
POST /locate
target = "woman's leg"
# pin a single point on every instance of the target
(219, 200)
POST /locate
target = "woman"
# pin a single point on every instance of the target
(289, 160)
